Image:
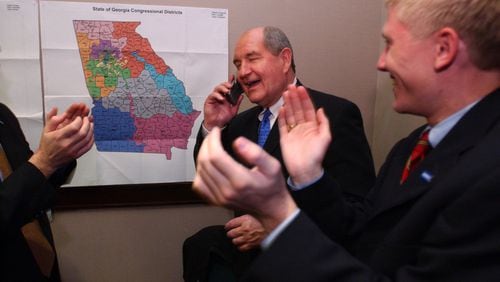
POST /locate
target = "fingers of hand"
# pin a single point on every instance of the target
(234, 233)
(52, 120)
(72, 129)
(215, 168)
(282, 126)
(51, 113)
(201, 189)
(288, 106)
(220, 91)
(254, 155)
(233, 223)
(306, 104)
(211, 182)
(84, 144)
(324, 125)
(298, 106)
(247, 238)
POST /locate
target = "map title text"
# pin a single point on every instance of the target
(136, 10)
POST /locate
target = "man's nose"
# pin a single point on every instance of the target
(244, 70)
(381, 64)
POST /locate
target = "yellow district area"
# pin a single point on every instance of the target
(106, 90)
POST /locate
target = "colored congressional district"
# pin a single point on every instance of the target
(139, 104)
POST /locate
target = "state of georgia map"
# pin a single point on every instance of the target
(145, 72)
(139, 104)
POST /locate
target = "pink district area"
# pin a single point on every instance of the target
(160, 132)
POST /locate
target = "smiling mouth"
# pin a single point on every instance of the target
(394, 83)
(250, 84)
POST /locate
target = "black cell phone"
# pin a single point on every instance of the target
(235, 92)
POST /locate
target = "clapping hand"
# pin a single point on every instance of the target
(304, 135)
(64, 138)
(259, 190)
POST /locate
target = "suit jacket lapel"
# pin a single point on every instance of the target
(273, 140)
(461, 138)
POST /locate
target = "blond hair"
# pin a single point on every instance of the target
(476, 21)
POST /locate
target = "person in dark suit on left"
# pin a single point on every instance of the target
(265, 67)
(27, 189)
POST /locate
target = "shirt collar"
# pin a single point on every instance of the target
(275, 108)
(440, 130)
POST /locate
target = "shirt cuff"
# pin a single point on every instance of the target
(295, 187)
(268, 241)
(205, 131)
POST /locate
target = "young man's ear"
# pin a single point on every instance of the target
(447, 44)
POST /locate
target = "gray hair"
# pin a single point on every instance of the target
(275, 40)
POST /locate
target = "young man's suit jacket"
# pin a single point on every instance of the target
(442, 224)
(24, 195)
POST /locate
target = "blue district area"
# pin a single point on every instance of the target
(114, 130)
(174, 86)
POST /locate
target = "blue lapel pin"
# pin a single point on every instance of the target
(426, 176)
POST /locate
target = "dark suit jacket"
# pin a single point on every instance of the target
(348, 158)
(445, 227)
(24, 195)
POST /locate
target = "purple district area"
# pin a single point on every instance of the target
(104, 47)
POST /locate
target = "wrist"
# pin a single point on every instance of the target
(277, 213)
(207, 127)
(304, 177)
(42, 164)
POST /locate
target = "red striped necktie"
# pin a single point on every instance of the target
(417, 155)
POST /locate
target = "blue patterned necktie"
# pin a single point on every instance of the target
(264, 128)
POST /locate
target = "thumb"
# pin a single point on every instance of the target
(52, 120)
(253, 155)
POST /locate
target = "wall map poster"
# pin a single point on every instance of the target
(145, 72)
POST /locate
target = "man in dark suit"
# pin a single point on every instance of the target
(27, 189)
(433, 213)
(265, 66)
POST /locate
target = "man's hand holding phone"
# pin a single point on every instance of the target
(222, 104)
(235, 92)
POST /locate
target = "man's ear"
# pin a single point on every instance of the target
(286, 57)
(447, 47)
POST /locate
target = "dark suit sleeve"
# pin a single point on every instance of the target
(197, 145)
(339, 217)
(348, 159)
(303, 253)
(460, 243)
(349, 169)
(26, 191)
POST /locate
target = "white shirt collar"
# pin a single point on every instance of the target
(275, 107)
